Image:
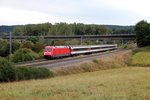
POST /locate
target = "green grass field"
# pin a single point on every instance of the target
(130, 83)
(142, 57)
(121, 83)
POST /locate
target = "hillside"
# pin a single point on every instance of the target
(4, 30)
(130, 83)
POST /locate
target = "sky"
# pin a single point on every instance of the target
(106, 12)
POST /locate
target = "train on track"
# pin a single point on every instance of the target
(62, 51)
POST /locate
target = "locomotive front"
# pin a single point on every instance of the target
(48, 52)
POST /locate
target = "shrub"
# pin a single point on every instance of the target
(24, 54)
(96, 61)
(15, 45)
(7, 71)
(40, 54)
(45, 72)
(38, 47)
(33, 39)
(27, 44)
(4, 48)
(26, 73)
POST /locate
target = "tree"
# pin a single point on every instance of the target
(19, 31)
(104, 30)
(52, 30)
(78, 29)
(142, 30)
(4, 48)
(90, 30)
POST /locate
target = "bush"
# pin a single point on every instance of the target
(4, 48)
(96, 61)
(41, 54)
(15, 45)
(26, 73)
(24, 54)
(7, 71)
(27, 44)
(38, 47)
(33, 39)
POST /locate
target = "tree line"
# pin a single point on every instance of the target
(70, 29)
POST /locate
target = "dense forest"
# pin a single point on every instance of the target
(65, 29)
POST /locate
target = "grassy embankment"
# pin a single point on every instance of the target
(114, 61)
(141, 57)
(127, 83)
(114, 84)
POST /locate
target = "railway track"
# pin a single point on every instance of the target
(68, 60)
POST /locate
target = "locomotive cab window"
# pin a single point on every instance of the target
(47, 49)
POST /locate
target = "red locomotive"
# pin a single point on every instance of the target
(56, 51)
(61, 51)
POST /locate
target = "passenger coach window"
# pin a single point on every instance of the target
(80, 49)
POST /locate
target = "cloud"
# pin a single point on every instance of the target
(11, 15)
(45, 6)
(136, 6)
(85, 11)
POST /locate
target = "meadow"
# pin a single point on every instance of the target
(141, 57)
(120, 81)
(130, 83)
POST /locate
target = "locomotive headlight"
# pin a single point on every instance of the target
(47, 53)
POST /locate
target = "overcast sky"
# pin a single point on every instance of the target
(114, 12)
